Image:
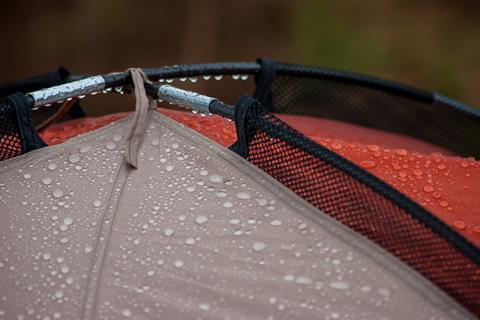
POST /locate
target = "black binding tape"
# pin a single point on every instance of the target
(28, 135)
(263, 83)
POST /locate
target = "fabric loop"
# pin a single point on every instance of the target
(140, 117)
(244, 131)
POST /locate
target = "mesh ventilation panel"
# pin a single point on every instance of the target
(378, 104)
(10, 143)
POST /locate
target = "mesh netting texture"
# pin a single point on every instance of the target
(10, 143)
(323, 179)
(378, 104)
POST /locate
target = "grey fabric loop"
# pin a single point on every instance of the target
(140, 117)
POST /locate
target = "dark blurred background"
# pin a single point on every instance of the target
(432, 44)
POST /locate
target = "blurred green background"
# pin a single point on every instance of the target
(431, 44)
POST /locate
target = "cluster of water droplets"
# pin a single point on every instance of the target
(191, 233)
(202, 234)
(425, 178)
(204, 77)
(53, 207)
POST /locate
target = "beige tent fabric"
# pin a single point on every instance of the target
(195, 232)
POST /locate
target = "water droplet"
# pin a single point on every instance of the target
(168, 232)
(218, 77)
(227, 204)
(74, 158)
(262, 202)
(272, 300)
(259, 246)
(289, 277)
(336, 146)
(27, 175)
(339, 285)
(201, 219)
(85, 148)
(64, 240)
(276, 223)
(428, 189)
(366, 289)
(69, 280)
(459, 224)
(441, 166)
(436, 195)
(117, 137)
(302, 226)
(65, 269)
(215, 178)
(243, 195)
(59, 294)
(110, 145)
(97, 203)
(169, 167)
(476, 229)
(303, 280)
(57, 193)
(207, 77)
(155, 142)
(52, 166)
(384, 292)
(88, 249)
(178, 263)
(244, 77)
(234, 221)
(204, 306)
(401, 152)
(235, 76)
(68, 221)
(46, 256)
(373, 147)
(417, 172)
(464, 164)
(221, 194)
(368, 164)
(190, 241)
(126, 313)
(47, 180)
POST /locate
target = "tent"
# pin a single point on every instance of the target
(336, 200)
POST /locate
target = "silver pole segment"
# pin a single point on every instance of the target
(67, 90)
(191, 100)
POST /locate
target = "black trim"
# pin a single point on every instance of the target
(263, 83)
